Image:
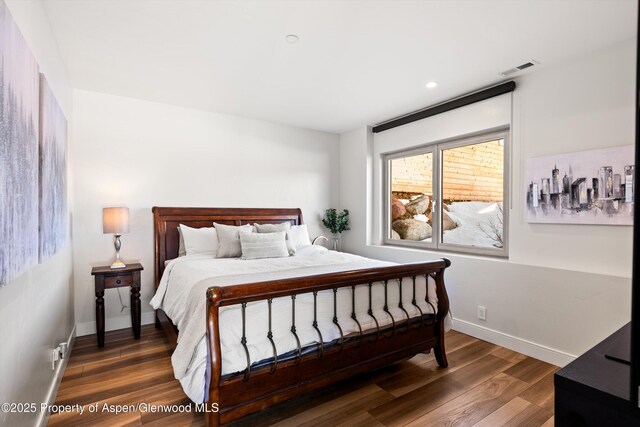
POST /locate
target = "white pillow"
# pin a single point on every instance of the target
(199, 240)
(298, 236)
(181, 249)
(229, 239)
(263, 245)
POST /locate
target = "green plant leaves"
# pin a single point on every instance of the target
(336, 222)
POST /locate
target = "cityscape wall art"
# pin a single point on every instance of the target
(585, 187)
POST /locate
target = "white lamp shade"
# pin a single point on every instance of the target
(115, 220)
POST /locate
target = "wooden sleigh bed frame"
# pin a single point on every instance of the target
(266, 384)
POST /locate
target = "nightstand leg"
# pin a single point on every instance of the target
(135, 311)
(100, 317)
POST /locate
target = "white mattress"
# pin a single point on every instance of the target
(182, 295)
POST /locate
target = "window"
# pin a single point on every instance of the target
(449, 196)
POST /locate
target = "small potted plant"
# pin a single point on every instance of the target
(336, 223)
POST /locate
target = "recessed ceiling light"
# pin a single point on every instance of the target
(292, 38)
(431, 85)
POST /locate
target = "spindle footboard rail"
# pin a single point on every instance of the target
(280, 378)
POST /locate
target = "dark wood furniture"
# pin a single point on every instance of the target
(106, 278)
(307, 369)
(593, 390)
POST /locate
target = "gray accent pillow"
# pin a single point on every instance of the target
(229, 239)
(263, 245)
(272, 228)
(275, 228)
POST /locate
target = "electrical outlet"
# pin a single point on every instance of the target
(482, 312)
(55, 356)
(63, 350)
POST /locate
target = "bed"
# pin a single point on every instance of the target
(258, 332)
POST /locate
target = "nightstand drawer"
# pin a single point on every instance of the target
(117, 281)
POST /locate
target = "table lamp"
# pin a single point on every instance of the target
(116, 221)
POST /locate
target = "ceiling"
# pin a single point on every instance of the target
(356, 63)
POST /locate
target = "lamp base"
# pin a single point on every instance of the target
(118, 264)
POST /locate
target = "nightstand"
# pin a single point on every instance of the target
(107, 278)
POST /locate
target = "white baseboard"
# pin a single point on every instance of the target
(114, 323)
(43, 417)
(537, 351)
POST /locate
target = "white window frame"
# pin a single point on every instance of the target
(437, 148)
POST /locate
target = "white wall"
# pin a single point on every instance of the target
(143, 154)
(36, 309)
(564, 287)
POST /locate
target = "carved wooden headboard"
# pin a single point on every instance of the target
(167, 220)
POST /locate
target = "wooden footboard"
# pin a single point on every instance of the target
(256, 389)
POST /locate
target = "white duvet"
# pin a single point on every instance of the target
(182, 295)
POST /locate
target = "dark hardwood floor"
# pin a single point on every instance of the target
(484, 385)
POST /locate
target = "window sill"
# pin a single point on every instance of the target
(444, 249)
